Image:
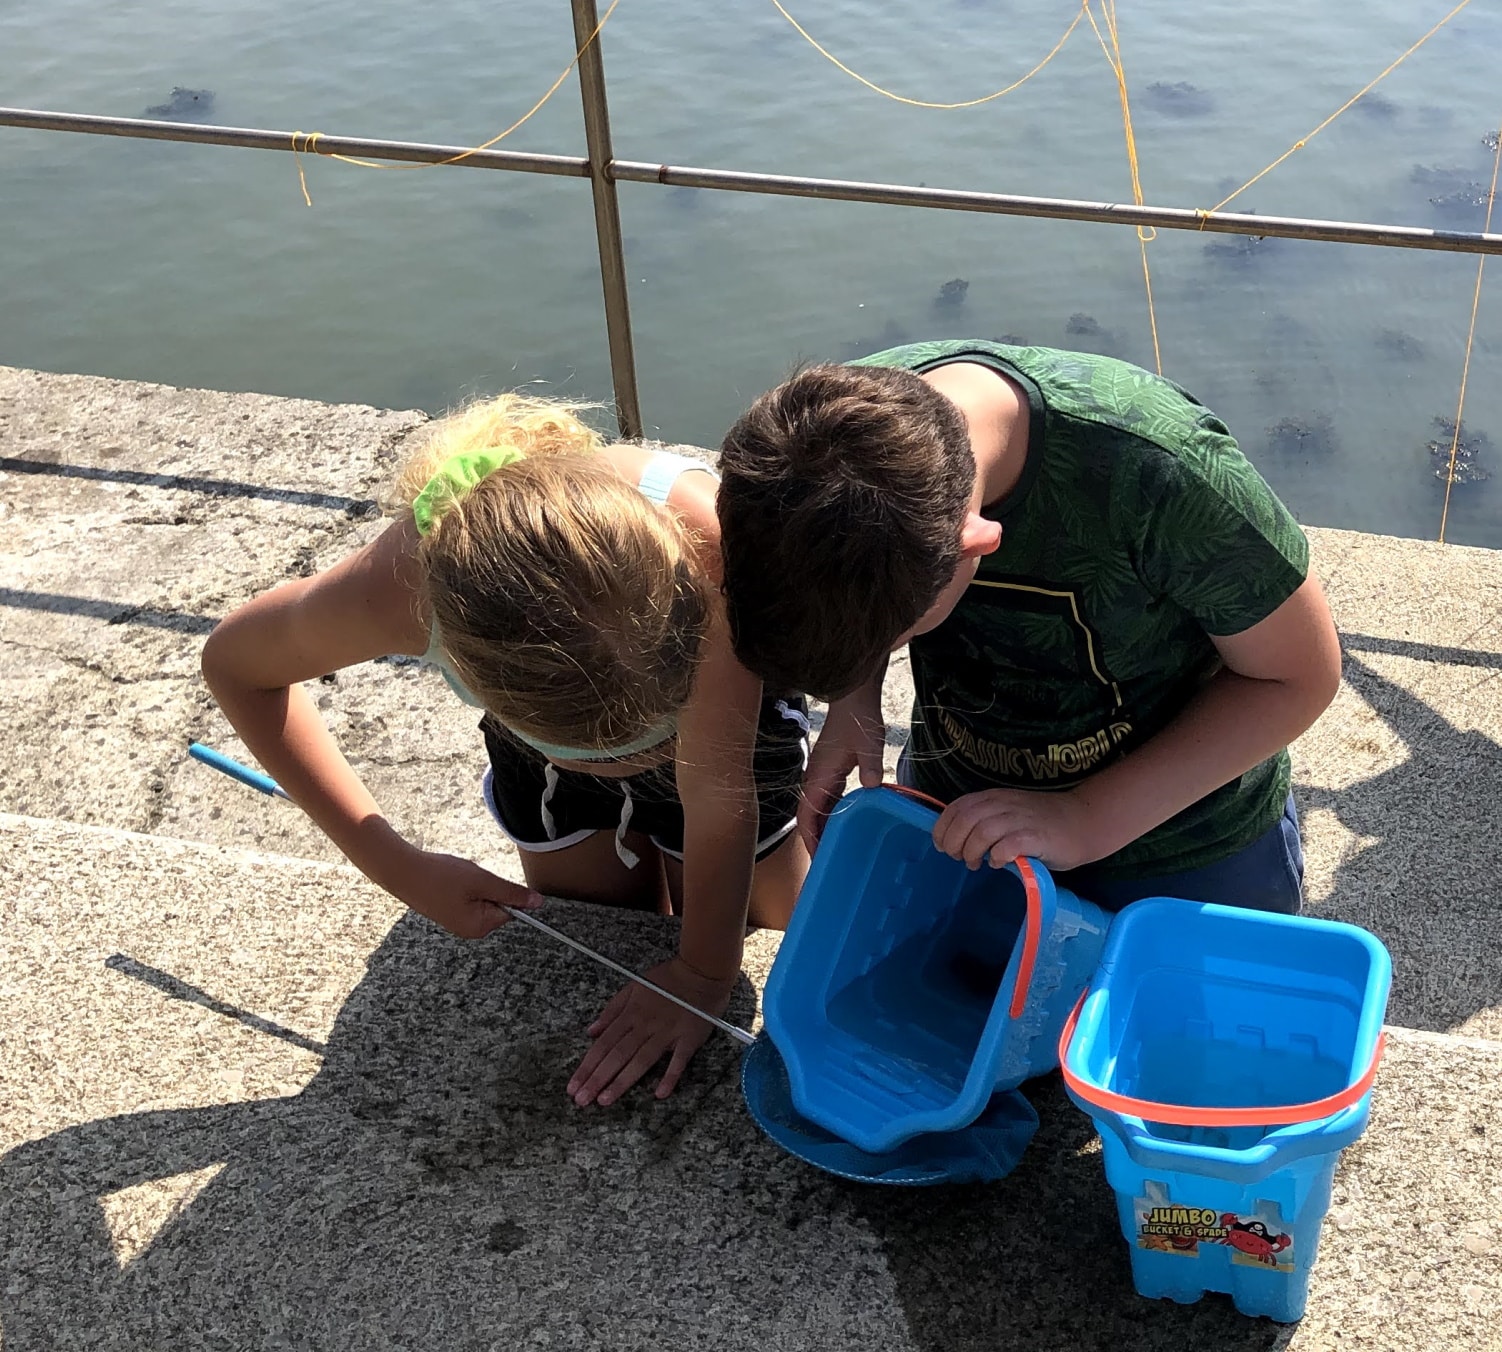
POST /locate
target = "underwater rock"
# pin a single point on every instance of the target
(1396, 343)
(1440, 179)
(1454, 192)
(1468, 453)
(1312, 434)
(1179, 99)
(1239, 250)
(1091, 335)
(1466, 201)
(952, 294)
(184, 104)
(1285, 331)
(892, 335)
(1376, 106)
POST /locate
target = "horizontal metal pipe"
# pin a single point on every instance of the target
(1057, 208)
(784, 185)
(252, 138)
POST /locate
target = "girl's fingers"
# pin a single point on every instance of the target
(682, 1053)
(600, 1063)
(647, 1055)
(610, 1066)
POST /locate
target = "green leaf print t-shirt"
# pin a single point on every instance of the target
(1138, 528)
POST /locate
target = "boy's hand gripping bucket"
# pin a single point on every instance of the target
(1227, 1057)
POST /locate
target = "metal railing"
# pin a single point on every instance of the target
(604, 171)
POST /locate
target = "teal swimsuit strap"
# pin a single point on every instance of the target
(654, 736)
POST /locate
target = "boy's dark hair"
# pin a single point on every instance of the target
(841, 502)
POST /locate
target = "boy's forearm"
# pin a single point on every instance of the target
(1231, 725)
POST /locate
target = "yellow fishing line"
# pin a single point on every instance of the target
(1299, 145)
(921, 103)
(1465, 368)
(1110, 44)
(310, 139)
(1144, 234)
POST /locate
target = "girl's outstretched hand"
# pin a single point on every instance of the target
(638, 1028)
(458, 894)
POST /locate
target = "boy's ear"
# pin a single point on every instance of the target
(979, 536)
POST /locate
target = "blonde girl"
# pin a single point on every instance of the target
(571, 591)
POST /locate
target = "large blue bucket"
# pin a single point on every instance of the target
(909, 989)
(1226, 1056)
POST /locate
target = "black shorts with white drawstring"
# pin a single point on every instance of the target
(542, 807)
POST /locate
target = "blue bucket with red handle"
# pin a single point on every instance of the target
(1226, 1057)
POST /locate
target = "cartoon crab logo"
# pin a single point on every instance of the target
(1254, 1239)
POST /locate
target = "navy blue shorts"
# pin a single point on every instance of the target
(542, 808)
(1267, 875)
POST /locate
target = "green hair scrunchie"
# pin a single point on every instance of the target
(455, 477)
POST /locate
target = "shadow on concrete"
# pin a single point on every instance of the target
(111, 612)
(1426, 880)
(1038, 1260)
(189, 483)
(432, 1188)
(1422, 652)
(174, 988)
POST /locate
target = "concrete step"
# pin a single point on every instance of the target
(135, 515)
(249, 1102)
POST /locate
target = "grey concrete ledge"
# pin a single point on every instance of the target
(134, 515)
(249, 1104)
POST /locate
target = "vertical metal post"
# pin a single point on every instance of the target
(607, 219)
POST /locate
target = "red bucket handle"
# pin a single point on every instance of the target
(1182, 1115)
(1032, 938)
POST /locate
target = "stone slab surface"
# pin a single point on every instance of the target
(248, 1104)
(134, 515)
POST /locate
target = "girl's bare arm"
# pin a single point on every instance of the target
(366, 606)
(256, 659)
(716, 737)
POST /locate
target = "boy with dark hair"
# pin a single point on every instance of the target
(1113, 627)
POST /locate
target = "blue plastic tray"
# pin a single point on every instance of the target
(988, 1149)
